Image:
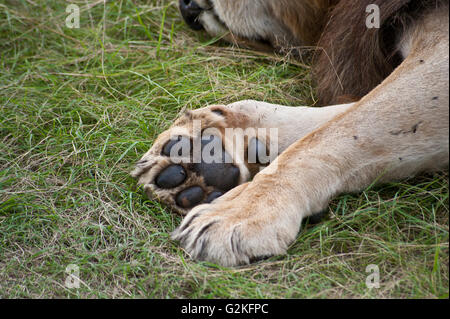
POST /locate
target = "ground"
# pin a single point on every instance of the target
(78, 107)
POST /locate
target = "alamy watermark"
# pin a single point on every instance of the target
(73, 277)
(73, 19)
(373, 16)
(373, 279)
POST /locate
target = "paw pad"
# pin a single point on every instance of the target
(183, 182)
(190, 197)
(184, 168)
(171, 177)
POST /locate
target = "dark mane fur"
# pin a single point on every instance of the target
(353, 59)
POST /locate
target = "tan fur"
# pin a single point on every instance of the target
(304, 19)
(349, 59)
(399, 129)
(264, 218)
(243, 114)
(284, 24)
(352, 59)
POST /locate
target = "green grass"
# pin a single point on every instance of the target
(78, 109)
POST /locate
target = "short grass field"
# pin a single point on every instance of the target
(78, 107)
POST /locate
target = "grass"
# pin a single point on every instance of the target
(78, 109)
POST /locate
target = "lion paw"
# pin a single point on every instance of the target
(216, 233)
(173, 173)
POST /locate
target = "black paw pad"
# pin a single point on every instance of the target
(181, 142)
(213, 196)
(217, 167)
(222, 176)
(171, 177)
(214, 164)
(190, 197)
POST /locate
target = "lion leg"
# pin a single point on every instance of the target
(241, 139)
(399, 129)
